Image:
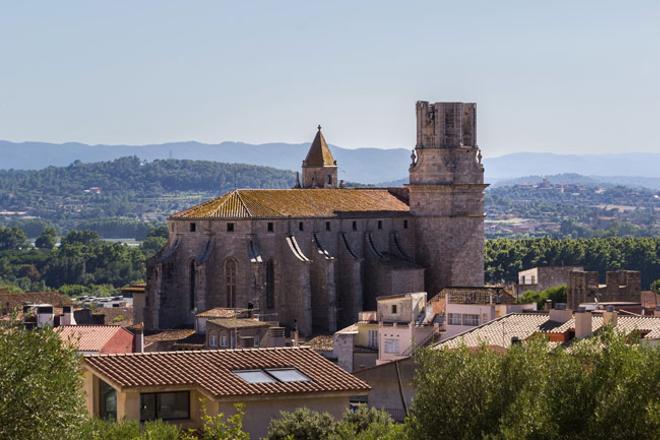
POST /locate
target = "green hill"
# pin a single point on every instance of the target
(125, 188)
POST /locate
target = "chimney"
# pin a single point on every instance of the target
(560, 313)
(45, 315)
(67, 316)
(138, 338)
(610, 316)
(583, 321)
(83, 316)
(547, 306)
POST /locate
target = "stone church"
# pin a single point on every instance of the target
(314, 256)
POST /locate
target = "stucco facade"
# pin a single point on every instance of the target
(314, 256)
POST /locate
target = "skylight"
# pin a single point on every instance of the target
(255, 376)
(272, 375)
(287, 375)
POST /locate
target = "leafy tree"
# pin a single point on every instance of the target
(301, 424)
(219, 427)
(12, 238)
(40, 385)
(47, 239)
(97, 429)
(603, 388)
(366, 424)
(555, 294)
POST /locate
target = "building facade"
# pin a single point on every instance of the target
(316, 255)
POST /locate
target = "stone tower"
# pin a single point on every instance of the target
(446, 195)
(319, 169)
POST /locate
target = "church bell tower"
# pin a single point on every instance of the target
(447, 195)
(319, 169)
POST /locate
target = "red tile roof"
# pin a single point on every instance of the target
(213, 371)
(297, 203)
(499, 332)
(88, 337)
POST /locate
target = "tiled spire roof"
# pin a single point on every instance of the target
(319, 154)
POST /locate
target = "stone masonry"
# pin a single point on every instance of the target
(314, 256)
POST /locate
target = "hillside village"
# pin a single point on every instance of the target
(326, 297)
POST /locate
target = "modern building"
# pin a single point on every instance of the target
(318, 254)
(400, 324)
(468, 307)
(179, 387)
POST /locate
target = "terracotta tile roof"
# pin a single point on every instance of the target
(319, 154)
(322, 343)
(230, 323)
(499, 332)
(219, 312)
(169, 335)
(88, 337)
(298, 203)
(213, 371)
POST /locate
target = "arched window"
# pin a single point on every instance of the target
(192, 284)
(231, 269)
(270, 285)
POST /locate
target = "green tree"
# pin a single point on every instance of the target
(301, 424)
(40, 385)
(555, 294)
(603, 388)
(47, 239)
(12, 239)
(366, 424)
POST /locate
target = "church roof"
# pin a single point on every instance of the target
(297, 203)
(319, 154)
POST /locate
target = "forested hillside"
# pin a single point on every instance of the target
(124, 197)
(124, 190)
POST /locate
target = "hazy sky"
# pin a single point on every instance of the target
(560, 76)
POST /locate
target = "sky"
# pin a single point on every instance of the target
(563, 76)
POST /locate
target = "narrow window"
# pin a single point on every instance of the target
(301, 226)
(394, 309)
(270, 285)
(329, 179)
(327, 226)
(108, 402)
(380, 224)
(230, 227)
(355, 226)
(405, 224)
(231, 268)
(193, 227)
(270, 227)
(192, 285)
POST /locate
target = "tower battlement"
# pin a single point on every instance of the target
(446, 124)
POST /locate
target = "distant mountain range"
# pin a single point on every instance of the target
(365, 165)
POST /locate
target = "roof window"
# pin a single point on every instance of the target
(255, 376)
(288, 375)
(272, 375)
